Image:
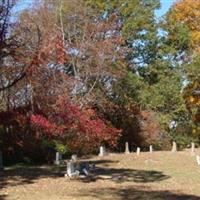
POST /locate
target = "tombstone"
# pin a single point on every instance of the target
(58, 158)
(74, 157)
(127, 148)
(102, 151)
(138, 151)
(1, 161)
(151, 149)
(192, 148)
(198, 160)
(84, 168)
(71, 172)
(174, 147)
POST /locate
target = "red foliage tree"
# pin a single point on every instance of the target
(79, 129)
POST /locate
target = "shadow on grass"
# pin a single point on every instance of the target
(135, 194)
(20, 175)
(130, 175)
(2, 197)
(104, 163)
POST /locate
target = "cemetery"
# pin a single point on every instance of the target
(99, 99)
(152, 175)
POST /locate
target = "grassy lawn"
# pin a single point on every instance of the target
(161, 175)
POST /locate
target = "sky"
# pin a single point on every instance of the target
(165, 5)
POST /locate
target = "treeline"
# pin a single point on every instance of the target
(79, 74)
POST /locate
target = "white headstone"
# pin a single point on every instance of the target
(71, 172)
(74, 157)
(192, 148)
(174, 147)
(84, 168)
(1, 161)
(198, 160)
(58, 158)
(138, 151)
(127, 148)
(102, 151)
(151, 149)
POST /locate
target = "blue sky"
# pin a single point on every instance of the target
(22, 4)
(165, 5)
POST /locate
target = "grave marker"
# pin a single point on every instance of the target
(151, 149)
(58, 158)
(71, 172)
(192, 148)
(138, 151)
(174, 147)
(102, 151)
(127, 148)
(198, 160)
(74, 157)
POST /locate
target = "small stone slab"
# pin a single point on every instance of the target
(58, 159)
(71, 171)
(127, 151)
(74, 157)
(151, 149)
(198, 160)
(174, 147)
(138, 151)
(102, 151)
(192, 148)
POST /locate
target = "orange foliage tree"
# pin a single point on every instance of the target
(187, 12)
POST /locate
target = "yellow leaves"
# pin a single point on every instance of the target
(191, 99)
(187, 12)
(194, 100)
(195, 40)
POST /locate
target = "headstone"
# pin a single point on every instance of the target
(84, 168)
(1, 161)
(192, 148)
(151, 149)
(138, 151)
(58, 158)
(74, 157)
(71, 172)
(198, 160)
(174, 147)
(127, 148)
(102, 151)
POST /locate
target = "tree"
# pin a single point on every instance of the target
(186, 12)
(62, 61)
(184, 16)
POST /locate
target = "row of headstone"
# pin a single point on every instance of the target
(127, 151)
(174, 148)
